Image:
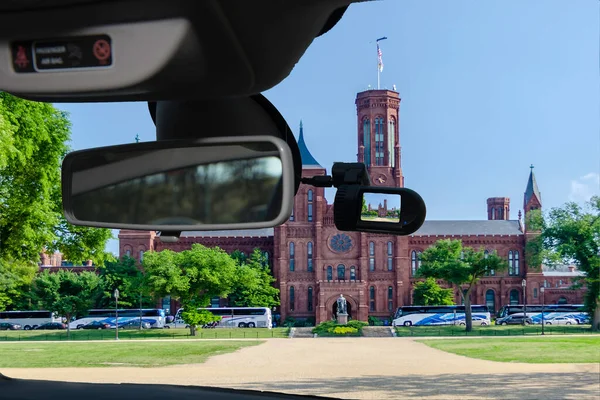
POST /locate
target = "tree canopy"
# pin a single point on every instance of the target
(193, 276)
(66, 293)
(460, 266)
(253, 286)
(429, 293)
(571, 235)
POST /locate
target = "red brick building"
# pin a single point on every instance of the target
(314, 262)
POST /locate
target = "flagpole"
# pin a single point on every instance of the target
(379, 62)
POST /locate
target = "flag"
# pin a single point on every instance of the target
(379, 58)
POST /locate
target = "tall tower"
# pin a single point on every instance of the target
(533, 198)
(378, 113)
(498, 208)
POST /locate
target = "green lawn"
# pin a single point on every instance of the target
(493, 330)
(525, 350)
(112, 354)
(180, 333)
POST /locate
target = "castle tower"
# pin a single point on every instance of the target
(498, 208)
(532, 200)
(378, 113)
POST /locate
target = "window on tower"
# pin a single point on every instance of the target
(372, 298)
(367, 140)
(391, 141)
(292, 256)
(371, 256)
(309, 197)
(309, 305)
(379, 142)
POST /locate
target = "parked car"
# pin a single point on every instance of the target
(9, 326)
(561, 321)
(51, 326)
(514, 320)
(95, 325)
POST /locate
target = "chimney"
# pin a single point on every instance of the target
(571, 268)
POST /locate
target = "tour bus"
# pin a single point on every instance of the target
(234, 317)
(551, 311)
(440, 315)
(154, 316)
(28, 319)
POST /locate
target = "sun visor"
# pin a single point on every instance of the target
(155, 50)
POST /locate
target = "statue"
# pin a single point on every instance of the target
(341, 305)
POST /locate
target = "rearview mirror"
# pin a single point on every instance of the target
(207, 184)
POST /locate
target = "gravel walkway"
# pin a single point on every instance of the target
(356, 368)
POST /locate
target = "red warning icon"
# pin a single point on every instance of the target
(101, 50)
(21, 59)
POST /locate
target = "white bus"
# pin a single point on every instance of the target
(440, 315)
(154, 316)
(29, 319)
(234, 317)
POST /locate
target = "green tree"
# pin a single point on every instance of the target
(364, 205)
(125, 275)
(66, 293)
(429, 293)
(460, 266)
(193, 276)
(571, 234)
(34, 139)
(254, 283)
(15, 279)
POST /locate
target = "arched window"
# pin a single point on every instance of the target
(353, 273)
(490, 300)
(391, 142)
(292, 257)
(266, 254)
(367, 140)
(309, 257)
(413, 262)
(510, 263)
(330, 273)
(379, 147)
(562, 300)
(390, 254)
(141, 255)
(341, 272)
(535, 293)
(390, 298)
(292, 298)
(500, 213)
(371, 256)
(309, 305)
(372, 298)
(419, 259)
(292, 215)
(493, 213)
(128, 253)
(516, 262)
(514, 297)
(309, 197)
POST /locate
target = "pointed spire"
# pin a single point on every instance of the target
(307, 159)
(532, 189)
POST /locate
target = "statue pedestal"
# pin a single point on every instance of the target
(342, 319)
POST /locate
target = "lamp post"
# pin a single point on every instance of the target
(542, 289)
(524, 284)
(116, 294)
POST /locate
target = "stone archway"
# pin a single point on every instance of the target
(331, 306)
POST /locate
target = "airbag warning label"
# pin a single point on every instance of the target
(83, 52)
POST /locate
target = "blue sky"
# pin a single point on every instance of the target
(487, 88)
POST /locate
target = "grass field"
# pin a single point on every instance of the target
(525, 350)
(180, 333)
(493, 330)
(112, 354)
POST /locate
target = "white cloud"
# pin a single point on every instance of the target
(585, 187)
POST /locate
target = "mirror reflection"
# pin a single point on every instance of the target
(225, 192)
(380, 207)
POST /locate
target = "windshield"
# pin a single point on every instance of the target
(489, 110)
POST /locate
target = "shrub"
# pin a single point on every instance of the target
(343, 330)
(331, 328)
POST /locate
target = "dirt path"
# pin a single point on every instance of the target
(359, 368)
